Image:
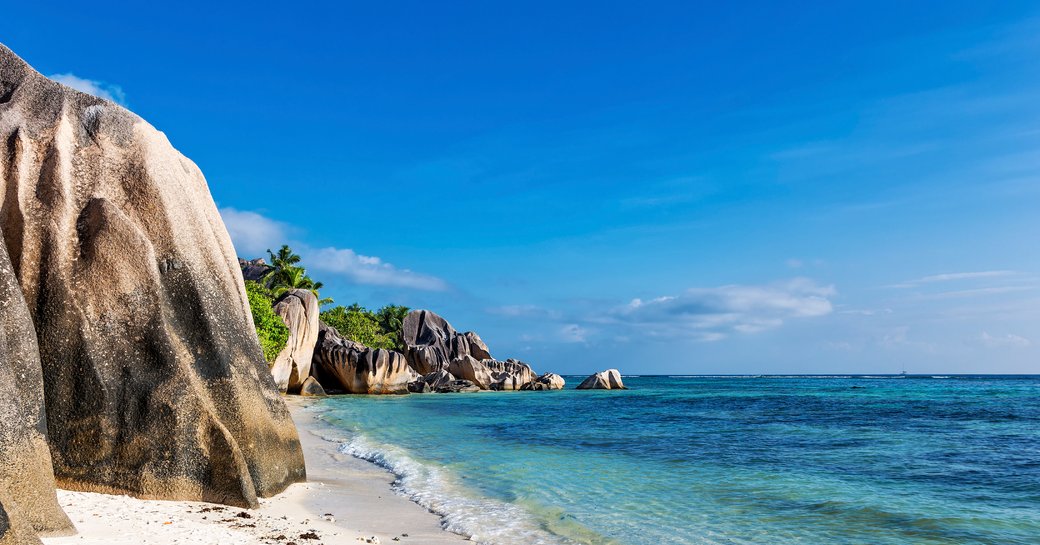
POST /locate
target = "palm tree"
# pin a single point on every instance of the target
(284, 258)
(285, 275)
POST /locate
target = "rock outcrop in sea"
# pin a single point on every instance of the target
(604, 380)
(133, 316)
(548, 381)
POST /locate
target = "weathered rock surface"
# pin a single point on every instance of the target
(27, 496)
(311, 388)
(437, 379)
(253, 269)
(358, 369)
(458, 386)
(477, 348)
(432, 342)
(154, 381)
(604, 380)
(469, 368)
(509, 375)
(299, 310)
(548, 381)
(419, 387)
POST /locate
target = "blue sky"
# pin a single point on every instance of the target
(656, 186)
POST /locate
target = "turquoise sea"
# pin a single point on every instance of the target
(718, 460)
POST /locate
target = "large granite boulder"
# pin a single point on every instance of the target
(469, 368)
(154, 381)
(27, 496)
(510, 374)
(358, 369)
(299, 310)
(548, 381)
(431, 341)
(311, 388)
(437, 379)
(604, 380)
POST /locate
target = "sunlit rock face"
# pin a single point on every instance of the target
(27, 498)
(350, 367)
(299, 310)
(153, 377)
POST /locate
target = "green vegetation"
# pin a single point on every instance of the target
(269, 326)
(379, 329)
(285, 274)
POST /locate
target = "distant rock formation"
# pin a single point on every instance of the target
(253, 269)
(299, 310)
(510, 374)
(154, 382)
(433, 344)
(358, 369)
(604, 380)
(548, 381)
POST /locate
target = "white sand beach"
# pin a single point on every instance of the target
(345, 500)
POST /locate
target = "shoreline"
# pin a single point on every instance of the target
(345, 500)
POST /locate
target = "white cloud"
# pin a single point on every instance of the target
(100, 89)
(1004, 340)
(711, 314)
(525, 311)
(253, 234)
(364, 269)
(573, 333)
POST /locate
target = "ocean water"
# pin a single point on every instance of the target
(718, 460)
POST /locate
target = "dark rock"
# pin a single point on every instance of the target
(419, 387)
(254, 269)
(437, 379)
(457, 386)
(311, 388)
(155, 384)
(548, 381)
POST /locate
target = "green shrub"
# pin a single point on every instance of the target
(359, 325)
(270, 328)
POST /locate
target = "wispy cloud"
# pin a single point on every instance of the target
(100, 89)
(525, 311)
(370, 270)
(254, 233)
(573, 333)
(1004, 340)
(712, 314)
(950, 277)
